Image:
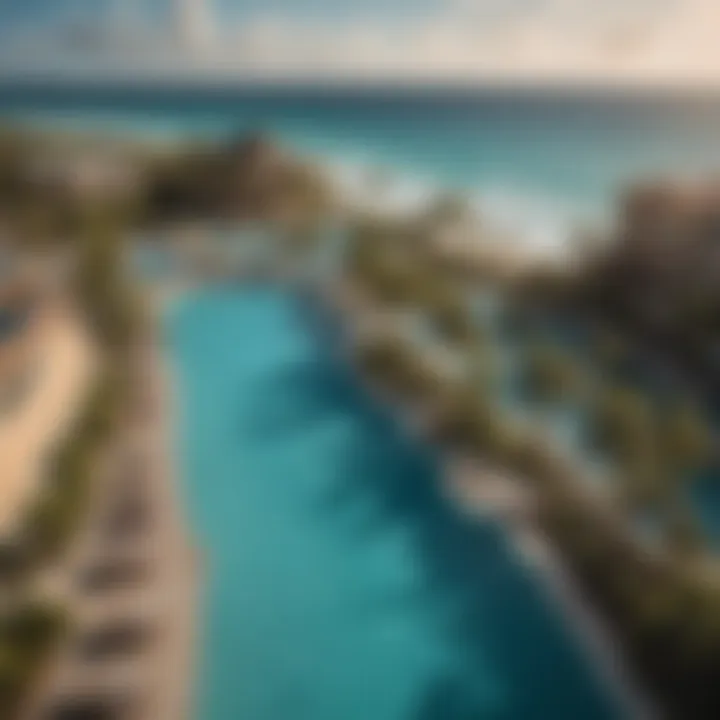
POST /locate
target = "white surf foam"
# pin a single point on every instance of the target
(535, 222)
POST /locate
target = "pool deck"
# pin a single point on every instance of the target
(156, 682)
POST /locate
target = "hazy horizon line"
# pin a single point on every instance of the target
(50, 82)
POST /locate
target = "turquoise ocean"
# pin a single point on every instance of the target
(539, 163)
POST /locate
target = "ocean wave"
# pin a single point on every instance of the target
(368, 185)
(538, 222)
(532, 221)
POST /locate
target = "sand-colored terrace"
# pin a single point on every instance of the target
(60, 365)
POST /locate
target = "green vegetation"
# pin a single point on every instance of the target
(91, 232)
(667, 608)
(685, 439)
(550, 374)
(476, 426)
(623, 424)
(53, 521)
(447, 209)
(101, 286)
(112, 311)
(27, 636)
(665, 605)
(393, 364)
(246, 179)
(37, 200)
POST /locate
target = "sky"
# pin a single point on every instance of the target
(636, 41)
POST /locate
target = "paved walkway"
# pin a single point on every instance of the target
(153, 682)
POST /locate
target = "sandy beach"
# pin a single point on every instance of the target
(63, 365)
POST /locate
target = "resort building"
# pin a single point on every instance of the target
(87, 175)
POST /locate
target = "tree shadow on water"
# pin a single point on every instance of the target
(503, 628)
(502, 631)
(448, 700)
(295, 400)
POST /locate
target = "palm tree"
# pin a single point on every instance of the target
(623, 424)
(481, 363)
(449, 208)
(685, 439)
(393, 363)
(533, 459)
(449, 313)
(639, 482)
(683, 534)
(456, 416)
(550, 374)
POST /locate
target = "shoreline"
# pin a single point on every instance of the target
(522, 222)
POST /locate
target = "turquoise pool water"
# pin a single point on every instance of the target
(340, 585)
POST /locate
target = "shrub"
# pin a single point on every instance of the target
(685, 438)
(550, 374)
(27, 634)
(623, 424)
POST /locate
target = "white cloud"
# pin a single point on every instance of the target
(644, 40)
(549, 39)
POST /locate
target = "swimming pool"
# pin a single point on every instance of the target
(340, 584)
